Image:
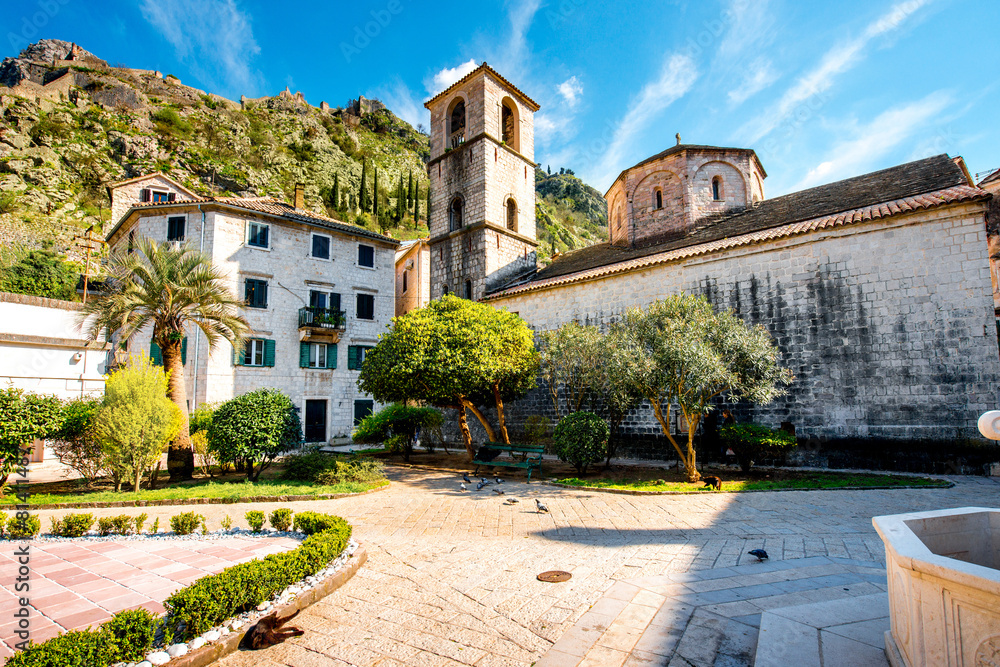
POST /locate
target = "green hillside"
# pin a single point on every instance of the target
(569, 213)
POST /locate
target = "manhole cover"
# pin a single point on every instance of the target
(554, 576)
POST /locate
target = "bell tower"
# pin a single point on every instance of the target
(482, 174)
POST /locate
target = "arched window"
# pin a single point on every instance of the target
(456, 124)
(509, 124)
(444, 290)
(512, 214)
(658, 199)
(717, 188)
(468, 290)
(455, 214)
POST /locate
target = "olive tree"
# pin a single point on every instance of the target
(135, 421)
(454, 353)
(571, 358)
(255, 428)
(74, 443)
(681, 352)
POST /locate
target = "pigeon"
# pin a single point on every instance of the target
(486, 481)
(465, 476)
(479, 487)
(464, 487)
(498, 492)
(512, 501)
(499, 481)
(759, 553)
(539, 507)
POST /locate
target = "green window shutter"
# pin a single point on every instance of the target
(334, 301)
(352, 358)
(331, 355)
(184, 351)
(269, 353)
(303, 355)
(155, 354)
(237, 358)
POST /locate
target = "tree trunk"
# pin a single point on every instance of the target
(137, 480)
(463, 424)
(490, 433)
(180, 455)
(687, 457)
(500, 415)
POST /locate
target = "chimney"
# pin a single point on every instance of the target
(300, 196)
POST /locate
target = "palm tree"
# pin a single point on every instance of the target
(169, 288)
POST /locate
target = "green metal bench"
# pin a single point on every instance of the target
(531, 457)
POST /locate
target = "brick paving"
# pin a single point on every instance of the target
(76, 584)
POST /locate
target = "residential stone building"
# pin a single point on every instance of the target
(876, 289)
(413, 285)
(317, 295)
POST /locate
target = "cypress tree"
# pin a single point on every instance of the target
(336, 191)
(409, 193)
(428, 207)
(375, 201)
(363, 192)
(401, 204)
(416, 208)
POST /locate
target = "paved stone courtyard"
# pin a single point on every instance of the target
(450, 578)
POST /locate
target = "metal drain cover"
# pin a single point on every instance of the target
(554, 576)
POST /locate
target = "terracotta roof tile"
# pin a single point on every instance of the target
(484, 67)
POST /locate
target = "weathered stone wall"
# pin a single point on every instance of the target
(124, 196)
(887, 326)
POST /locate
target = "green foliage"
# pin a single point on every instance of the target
(569, 214)
(3, 523)
(168, 119)
(303, 151)
(123, 524)
(139, 521)
(227, 522)
(23, 526)
(201, 418)
(72, 525)
(255, 519)
(74, 443)
(306, 465)
(186, 522)
(8, 202)
(396, 420)
(752, 442)
(23, 418)
(311, 523)
(132, 632)
(41, 273)
(355, 470)
(536, 427)
(155, 528)
(212, 599)
(453, 353)
(79, 648)
(581, 439)
(136, 420)
(681, 352)
(571, 358)
(255, 428)
(281, 519)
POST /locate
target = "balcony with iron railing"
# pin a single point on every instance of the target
(322, 318)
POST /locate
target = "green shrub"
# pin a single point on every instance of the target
(186, 522)
(171, 120)
(41, 273)
(72, 525)
(22, 527)
(581, 438)
(79, 648)
(123, 524)
(156, 526)
(3, 524)
(104, 526)
(131, 633)
(753, 442)
(212, 599)
(227, 522)
(355, 470)
(281, 519)
(256, 520)
(399, 421)
(139, 521)
(306, 466)
(255, 428)
(536, 427)
(311, 523)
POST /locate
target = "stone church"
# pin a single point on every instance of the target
(876, 289)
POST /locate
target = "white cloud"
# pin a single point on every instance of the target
(676, 77)
(836, 61)
(213, 36)
(871, 143)
(400, 101)
(759, 75)
(513, 59)
(571, 89)
(448, 76)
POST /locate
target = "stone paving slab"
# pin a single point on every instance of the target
(81, 583)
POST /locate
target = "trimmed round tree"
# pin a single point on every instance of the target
(254, 429)
(454, 353)
(581, 439)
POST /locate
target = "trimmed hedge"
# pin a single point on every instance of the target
(281, 518)
(128, 636)
(212, 599)
(72, 525)
(581, 439)
(255, 518)
(23, 527)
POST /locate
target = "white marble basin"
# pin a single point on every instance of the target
(943, 569)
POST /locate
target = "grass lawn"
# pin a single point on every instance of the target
(754, 481)
(233, 490)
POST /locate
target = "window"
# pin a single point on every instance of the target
(321, 246)
(256, 293)
(512, 215)
(455, 214)
(405, 272)
(444, 290)
(326, 300)
(366, 307)
(468, 290)
(508, 125)
(258, 234)
(456, 124)
(362, 409)
(160, 197)
(131, 242)
(658, 199)
(175, 228)
(366, 255)
(717, 188)
(356, 356)
(256, 352)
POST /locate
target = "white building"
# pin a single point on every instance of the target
(318, 293)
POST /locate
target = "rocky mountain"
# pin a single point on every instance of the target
(70, 123)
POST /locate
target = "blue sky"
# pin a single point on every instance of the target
(821, 90)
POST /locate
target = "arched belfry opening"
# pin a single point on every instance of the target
(717, 193)
(456, 123)
(456, 211)
(511, 214)
(510, 127)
